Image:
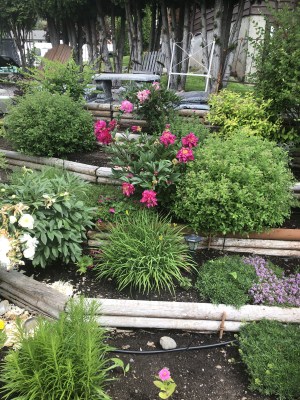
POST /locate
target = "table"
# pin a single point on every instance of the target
(105, 80)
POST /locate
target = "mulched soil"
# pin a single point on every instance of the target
(207, 374)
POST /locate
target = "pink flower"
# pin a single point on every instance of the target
(190, 140)
(104, 136)
(99, 125)
(164, 374)
(127, 189)
(184, 155)
(167, 138)
(156, 85)
(143, 95)
(112, 210)
(126, 106)
(136, 128)
(112, 124)
(149, 198)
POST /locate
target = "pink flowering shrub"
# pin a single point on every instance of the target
(149, 198)
(184, 155)
(143, 95)
(103, 131)
(126, 106)
(190, 140)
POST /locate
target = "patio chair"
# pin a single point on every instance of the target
(152, 63)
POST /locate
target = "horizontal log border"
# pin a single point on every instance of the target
(38, 297)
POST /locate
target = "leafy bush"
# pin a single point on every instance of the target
(61, 219)
(226, 280)
(64, 359)
(241, 184)
(46, 124)
(144, 253)
(2, 161)
(277, 66)
(151, 165)
(154, 103)
(271, 353)
(231, 111)
(181, 126)
(61, 78)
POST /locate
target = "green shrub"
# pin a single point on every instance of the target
(46, 124)
(271, 353)
(241, 185)
(64, 359)
(61, 78)
(61, 218)
(231, 111)
(146, 253)
(182, 126)
(226, 280)
(277, 66)
(2, 161)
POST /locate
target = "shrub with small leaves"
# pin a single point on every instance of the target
(46, 124)
(271, 353)
(241, 184)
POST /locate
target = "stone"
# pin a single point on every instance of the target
(4, 307)
(167, 343)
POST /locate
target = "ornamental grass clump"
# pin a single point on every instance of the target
(145, 253)
(271, 353)
(238, 185)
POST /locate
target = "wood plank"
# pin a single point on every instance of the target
(255, 243)
(269, 252)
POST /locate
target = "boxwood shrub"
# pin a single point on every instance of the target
(46, 124)
(240, 184)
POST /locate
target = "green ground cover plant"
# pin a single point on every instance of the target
(61, 217)
(226, 280)
(46, 124)
(145, 253)
(271, 353)
(65, 359)
(241, 184)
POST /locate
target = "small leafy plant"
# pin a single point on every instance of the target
(64, 359)
(271, 353)
(145, 253)
(226, 280)
(241, 184)
(165, 384)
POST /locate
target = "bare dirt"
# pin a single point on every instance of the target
(215, 373)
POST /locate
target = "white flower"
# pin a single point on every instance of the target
(4, 245)
(26, 221)
(29, 252)
(12, 219)
(5, 262)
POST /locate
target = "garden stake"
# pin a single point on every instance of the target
(222, 325)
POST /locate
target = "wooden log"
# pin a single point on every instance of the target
(101, 113)
(130, 122)
(254, 243)
(80, 168)
(97, 243)
(269, 252)
(104, 172)
(86, 177)
(167, 323)
(273, 234)
(195, 311)
(108, 181)
(190, 113)
(14, 155)
(98, 106)
(22, 163)
(27, 292)
(97, 235)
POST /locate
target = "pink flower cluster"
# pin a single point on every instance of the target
(156, 85)
(184, 155)
(149, 198)
(167, 137)
(190, 140)
(126, 106)
(102, 131)
(164, 374)
(143, 95)
(127, 189)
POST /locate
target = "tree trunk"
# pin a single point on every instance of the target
(186, 43)
(91, 39)
(205, 57)
(53, 30)
(234, 36)
(166, 39)
(104, 54)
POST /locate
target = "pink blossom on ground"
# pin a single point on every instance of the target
(167, 138)
(184, 155)
(149, 198)
(127, 189)
(104, 136)
(164, 374)
(126, 106)
(143, 95)
(136, 128)
(156, 85)
(112, 210)
(190, 140)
